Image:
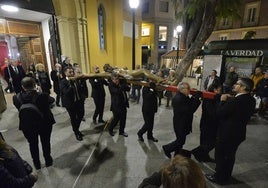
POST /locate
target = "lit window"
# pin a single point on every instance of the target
(145, 32)
(101, 19)
(162, 33)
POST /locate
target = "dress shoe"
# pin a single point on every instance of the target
(208, 159)
(213, 179)
(197, 156)
(94, 122)
(37, 165)
(49, 162)
(80, 134)
(78, 137)
(166, 153)
(111, 133)
(153, 139)
(102, 121)
(140, 137)
(124, 134)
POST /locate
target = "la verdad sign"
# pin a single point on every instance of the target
(242, 52)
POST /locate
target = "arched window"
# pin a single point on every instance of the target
(101, 21)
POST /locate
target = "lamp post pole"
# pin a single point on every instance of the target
(133, 40)
(133, 5)
(178, 29)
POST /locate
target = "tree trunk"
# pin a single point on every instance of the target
(209, 21)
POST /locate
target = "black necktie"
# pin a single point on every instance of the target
(77, 97)
(16, 70)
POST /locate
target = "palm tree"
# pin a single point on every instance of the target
(199, 18)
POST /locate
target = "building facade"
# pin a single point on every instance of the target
(98, 32)
(158, 23)
(253, 23)
(87, 32)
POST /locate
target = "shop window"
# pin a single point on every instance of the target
(101, 22)
(163, 6)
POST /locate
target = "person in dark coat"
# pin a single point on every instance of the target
(98, 94)
(82, 88)
(119, 103)
(180, 172)
(208, 126)
(56, 76)
(42, 78)
(14, 73)
(212, 79)
(73, 101)
(149, 108)
(233, 114)
(34, 128)
(230, 79)
(262, 91)
(14, 171)
(183, 110)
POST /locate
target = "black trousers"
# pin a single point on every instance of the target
(119, 117)
(99, 107)
(225, 159)
(58, 97)
(76, 113)
(148, 124)
(177, 144)
(32, 138)
(208, 135)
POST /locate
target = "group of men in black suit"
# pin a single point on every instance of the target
(232, 114)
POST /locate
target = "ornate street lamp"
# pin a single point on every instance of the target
(178, 29)
(133, 5)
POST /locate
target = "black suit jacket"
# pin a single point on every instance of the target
(56, 81)
(68, 92)
(183, 109)
(97, 85)
(119, 100)
(16, 77)
(149, 103)
(215, 81)
(234, 115)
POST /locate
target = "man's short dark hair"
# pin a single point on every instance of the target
(114, 75)
(248, 83)
(28, 83)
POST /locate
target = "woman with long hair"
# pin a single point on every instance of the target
(14, 171)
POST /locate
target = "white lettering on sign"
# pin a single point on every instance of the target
(242, 52)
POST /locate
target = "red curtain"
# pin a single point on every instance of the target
(3, 55)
